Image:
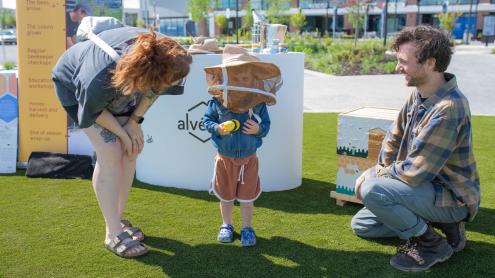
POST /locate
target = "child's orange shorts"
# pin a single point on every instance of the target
(236, 178)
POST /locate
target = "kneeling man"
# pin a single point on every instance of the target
(426, 174)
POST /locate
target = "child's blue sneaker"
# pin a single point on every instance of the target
(248, 237)
(226, 233)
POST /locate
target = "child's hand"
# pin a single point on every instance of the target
(221, 130)
(251, 127)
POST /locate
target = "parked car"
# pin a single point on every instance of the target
(8, 37)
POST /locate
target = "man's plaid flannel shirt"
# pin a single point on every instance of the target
(431, 141)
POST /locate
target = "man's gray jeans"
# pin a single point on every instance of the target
(393, 208)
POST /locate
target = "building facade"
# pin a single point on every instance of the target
(320, 14)
(171, 16)
(168, 16)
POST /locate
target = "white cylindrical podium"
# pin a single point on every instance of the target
(178, 151)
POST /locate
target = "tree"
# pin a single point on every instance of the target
(356, 17)
(7, 19)
(247, 19)
(221, 22)
(275, 11)
(447, 20)
(298, 20)
(140, 23)
(198, 9)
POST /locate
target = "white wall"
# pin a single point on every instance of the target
(183, 158)
(7, 4)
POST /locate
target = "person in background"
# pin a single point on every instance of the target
(72, 21)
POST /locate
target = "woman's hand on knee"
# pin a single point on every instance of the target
(135, 133)
(126, 144)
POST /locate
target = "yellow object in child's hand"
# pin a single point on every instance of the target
(231, 126)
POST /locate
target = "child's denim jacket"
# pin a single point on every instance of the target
(236, 144)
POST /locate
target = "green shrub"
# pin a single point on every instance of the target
(9, 65)
(302, 48)
(341, 57)
(388, 67)
(221, 22)
(337, 69)
(368, 64)
(184, 40)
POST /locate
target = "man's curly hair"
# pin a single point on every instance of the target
(431, 42)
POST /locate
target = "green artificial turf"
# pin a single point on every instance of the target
(53, 228)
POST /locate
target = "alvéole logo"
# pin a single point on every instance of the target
(193, 123)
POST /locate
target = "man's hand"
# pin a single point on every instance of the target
(359, 181)
(251, 127)
(136, 136)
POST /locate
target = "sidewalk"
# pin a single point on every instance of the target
(474, 66)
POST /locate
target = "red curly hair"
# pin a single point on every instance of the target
(153, 63)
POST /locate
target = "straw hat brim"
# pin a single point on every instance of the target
(199, 51)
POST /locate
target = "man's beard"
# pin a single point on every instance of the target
(415, 81)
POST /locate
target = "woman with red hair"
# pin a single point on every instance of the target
(108, 99)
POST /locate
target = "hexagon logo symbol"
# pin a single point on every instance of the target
(8, 108)
(193, 123)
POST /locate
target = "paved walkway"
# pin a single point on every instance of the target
(473, 65)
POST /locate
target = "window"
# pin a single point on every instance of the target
(227, 4)
(174, 27)
(259, 4)
(315, 4)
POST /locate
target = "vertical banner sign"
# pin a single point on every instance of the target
(41, 41)
(8, 122)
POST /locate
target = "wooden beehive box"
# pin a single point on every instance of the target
(360, 135)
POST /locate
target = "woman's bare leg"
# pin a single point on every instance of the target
(107, 178)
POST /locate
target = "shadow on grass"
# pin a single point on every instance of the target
(483, 222)
(312, 197)
(274, 257)
(283, 257)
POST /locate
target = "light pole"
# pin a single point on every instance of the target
(227, 15)
(395, 17)
(155, 19)
(476, 17)
(445, 6)
(326, 16)
(468, 35)
(356, 32)
(334, 21)
(384, 22)
(418, 13)
(366, 18)
(4, 55)
(236, 24)
(146, 14)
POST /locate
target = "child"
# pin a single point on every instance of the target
(235, 174)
